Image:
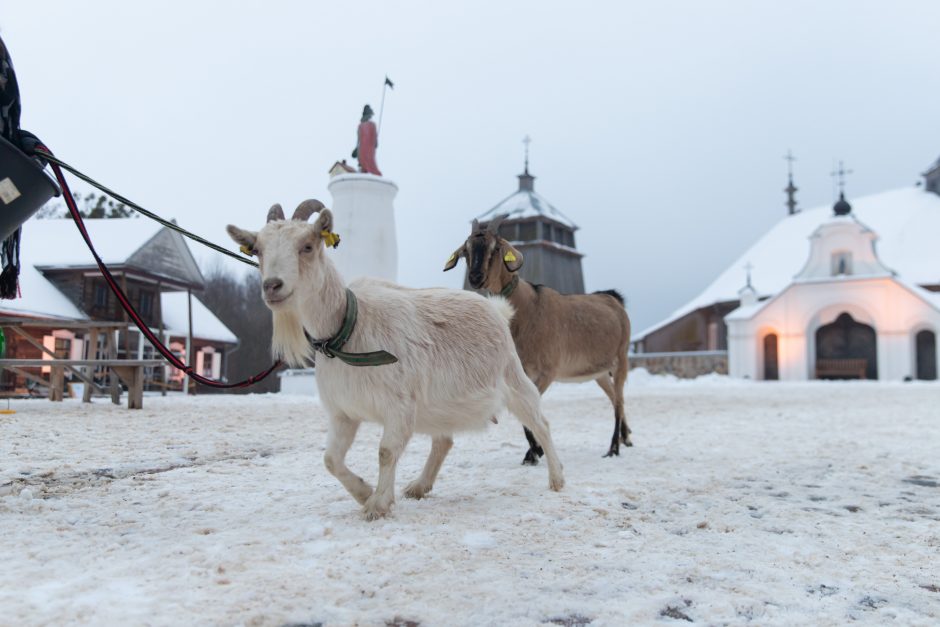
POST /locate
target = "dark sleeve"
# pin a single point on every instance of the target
(9, 98)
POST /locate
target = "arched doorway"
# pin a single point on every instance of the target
(771, 367)
(926, 351)
(846, 349)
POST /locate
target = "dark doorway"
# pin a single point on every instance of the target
(926, 342)
(846, 349)
(771, 369)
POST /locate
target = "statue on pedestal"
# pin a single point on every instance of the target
(367, 142)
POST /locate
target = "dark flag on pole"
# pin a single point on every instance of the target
(388, 83)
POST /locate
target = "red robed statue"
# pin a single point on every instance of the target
(368, 141)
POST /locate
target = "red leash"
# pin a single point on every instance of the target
(126, 304)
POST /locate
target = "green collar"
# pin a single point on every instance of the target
(331, 347)
(510, 287)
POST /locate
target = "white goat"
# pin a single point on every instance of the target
(457, 366)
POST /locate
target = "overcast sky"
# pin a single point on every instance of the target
(658, 127)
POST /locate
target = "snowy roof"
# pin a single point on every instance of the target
(138, 243)
(205, 325)
(906, 221)
(56, 243)
(745, 312)
(526, 204)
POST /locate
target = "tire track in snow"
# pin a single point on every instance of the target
(48, 484)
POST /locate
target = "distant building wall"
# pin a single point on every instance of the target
(932, 178)
(559, 270)
(685, 365)
(701, 330)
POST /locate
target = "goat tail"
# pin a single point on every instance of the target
(503, 306)
(613, 293)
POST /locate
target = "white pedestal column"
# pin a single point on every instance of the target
(364, 216)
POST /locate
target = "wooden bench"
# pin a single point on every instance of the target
(849, 368)
(130, 371)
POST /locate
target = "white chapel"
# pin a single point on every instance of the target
(845, 314)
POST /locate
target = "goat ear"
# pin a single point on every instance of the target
(324, 228)
(455, 257)
(324, 221)
(245, 239)
(512, 258)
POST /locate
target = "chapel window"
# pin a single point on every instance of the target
(841, 263)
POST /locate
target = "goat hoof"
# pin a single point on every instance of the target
(373, 510)
(556, 483)
(416, 490)
(612, 452)
(530, 460)
(373, 516)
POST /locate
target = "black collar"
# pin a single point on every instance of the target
(331, 347)
(510, 287)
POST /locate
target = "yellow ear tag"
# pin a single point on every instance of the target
(452, 257)
(330, 239)
(509, 257)
(245, 250)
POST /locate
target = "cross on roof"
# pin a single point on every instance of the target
(790, 159)
(526, 140)
(748, 267)
(790, 189)
(841, 173)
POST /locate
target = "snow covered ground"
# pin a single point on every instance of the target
(741, 502)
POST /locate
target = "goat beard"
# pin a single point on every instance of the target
(288, 341)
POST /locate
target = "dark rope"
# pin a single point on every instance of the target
(45, 154)
(125, 302)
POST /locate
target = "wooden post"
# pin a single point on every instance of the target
(127, 336)
(113, 378)
(90, 370)
(133, 377)
(57, 382)
(164, 370)
(189, 342)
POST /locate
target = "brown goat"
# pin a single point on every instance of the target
(576, 337)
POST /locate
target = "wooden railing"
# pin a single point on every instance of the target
(129, 371)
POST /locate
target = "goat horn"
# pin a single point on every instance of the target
(493, 226)
(306, 209)
(275, 212)
(476, 226)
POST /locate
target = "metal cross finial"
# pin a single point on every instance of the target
(526, 140)
(790, 159)
(841, 173)
(790, 189)
(748, 267)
